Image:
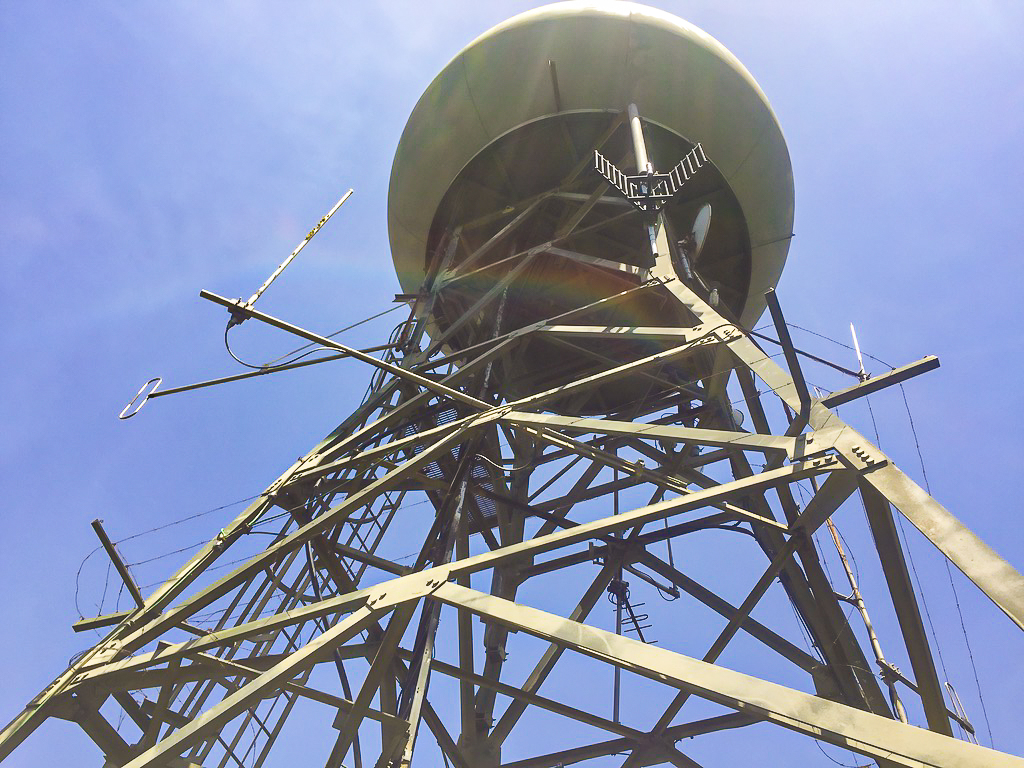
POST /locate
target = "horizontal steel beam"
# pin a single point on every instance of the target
(646, 332)
(618, 746)
(98, 622)
(716, 437)
(526, 549)
(876, 383)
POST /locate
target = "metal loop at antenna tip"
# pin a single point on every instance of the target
(155, 382)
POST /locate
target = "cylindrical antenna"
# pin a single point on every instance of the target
(236, 319)
(861, 373)
(643, 165)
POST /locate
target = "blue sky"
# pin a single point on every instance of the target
(150, 150)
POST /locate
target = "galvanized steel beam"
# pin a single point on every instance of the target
(871, 735)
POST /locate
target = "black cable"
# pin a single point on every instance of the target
(949, 573)
(849, 551)
(168, 554)
(945, 560)
(81, 566)
(276, 362)
(339, 331)
(902, 534)
(186, 519)
(378, 376)
(502, 467)
(808, 355)
(227, 346)
(841, 344)
(78, 576)
(269, 367)
(812, 649)
(837, 762)
(106, 583)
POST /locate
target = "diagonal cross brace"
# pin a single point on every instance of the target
(868, 734)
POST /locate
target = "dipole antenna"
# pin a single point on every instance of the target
(861, 373)
(237, 318)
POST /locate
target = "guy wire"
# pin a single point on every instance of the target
(949, 573)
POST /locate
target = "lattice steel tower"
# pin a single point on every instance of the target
(562, 398)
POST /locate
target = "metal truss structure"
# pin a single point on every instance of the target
(318, 641)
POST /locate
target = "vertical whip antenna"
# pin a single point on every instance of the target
(861, 373)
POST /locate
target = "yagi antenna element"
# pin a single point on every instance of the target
(237, 318)
(648, 190)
